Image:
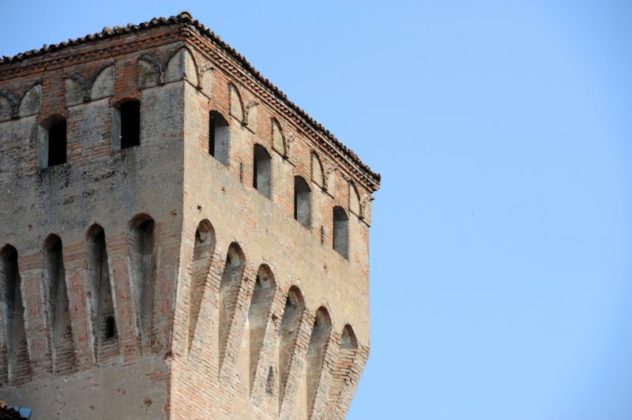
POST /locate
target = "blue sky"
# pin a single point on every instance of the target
(501, 243)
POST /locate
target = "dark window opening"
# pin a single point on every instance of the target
(302, 202)
(130, 124)
(218, 137)
(341, 232)
(348, 340)
(262, 171)
(110, 328)
(270, 381)
(57, 143)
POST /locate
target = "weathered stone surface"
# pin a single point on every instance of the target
(172, 287)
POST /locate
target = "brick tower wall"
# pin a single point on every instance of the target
(157, 281)
(97, 186)
(246, 384)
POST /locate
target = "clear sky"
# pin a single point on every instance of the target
(501, 277)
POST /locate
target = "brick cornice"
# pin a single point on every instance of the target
(185, 27)
(68, 58)
(320, 142)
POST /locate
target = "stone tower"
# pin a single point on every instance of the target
(177, 238)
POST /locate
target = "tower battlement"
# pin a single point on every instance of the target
(178, 239)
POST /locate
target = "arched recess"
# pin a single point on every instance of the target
(8, 105)
(14, 357)
(181, 66)
(288, 334)
(317, 171)
(142, 251)
(302, 202)
(150, 71)
(354, 199)
(203, 248)
(104, 329)
(5, 109)
(76, 89)
(342, 368)
(348, 340)
(236, 103)
(258, 315)
(316, 350)
(61, 334)
(262, 171)
(229, 292)
(278, 139)
(103, 85)
(341, 231)
(31, 101)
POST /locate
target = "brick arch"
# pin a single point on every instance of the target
(236, 103)
(9, 105)
(102, 85)
(31, 101)
(354, 200)
(278, 138)
(203, 248)
(49, 120)
(288, 335)
(177, 67)
(230, 285)
(348, 339)
(316, 350)
(258, 315)
(345, 370)
(151, 71)
(76, 89)
(318, 174)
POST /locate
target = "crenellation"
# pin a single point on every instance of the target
(178, 239)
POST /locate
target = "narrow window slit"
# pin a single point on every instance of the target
(262, 171)
(302, 202)
(126, 125)
(57, 143)
(110, 328)
(218, 137)
(270, 381)
(341, 231)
